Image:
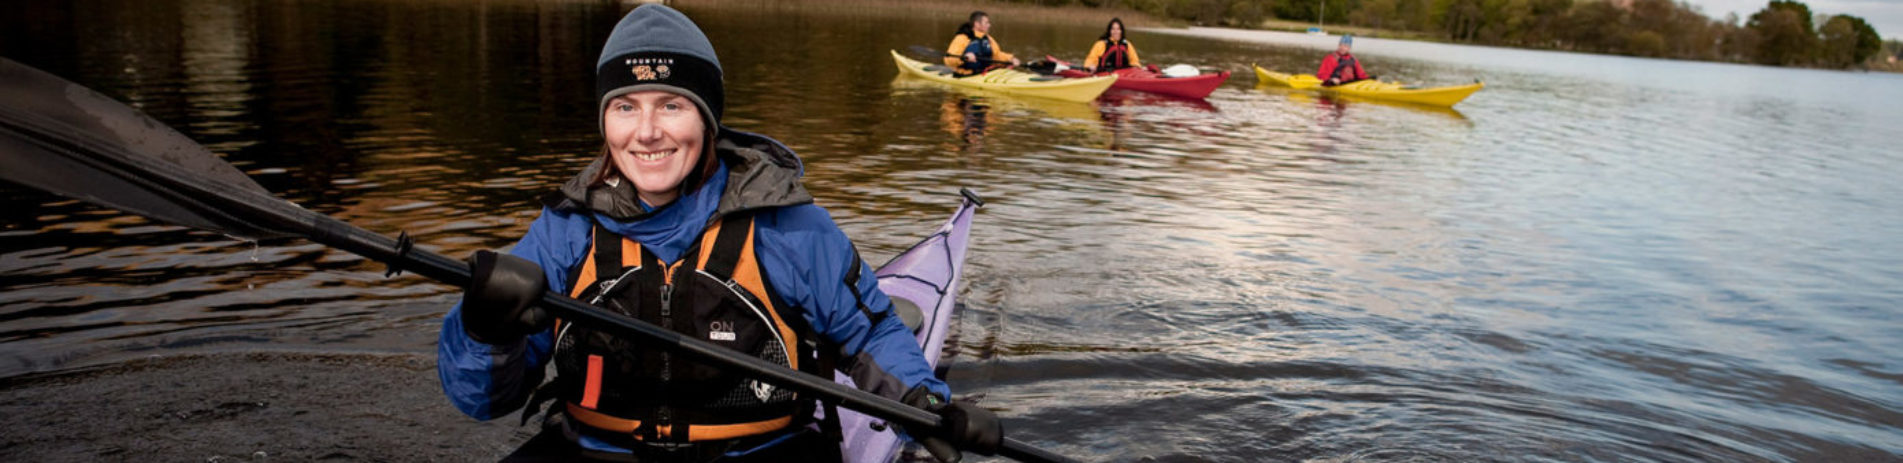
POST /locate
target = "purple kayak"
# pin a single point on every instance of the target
(923, 283)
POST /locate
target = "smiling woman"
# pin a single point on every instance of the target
(701, 229)
(655, 140)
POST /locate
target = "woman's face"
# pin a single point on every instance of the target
(1116, 32)
(655, 139)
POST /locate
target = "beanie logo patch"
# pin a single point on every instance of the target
(646, 69)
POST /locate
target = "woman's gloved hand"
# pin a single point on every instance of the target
(968, 426)
(499, 303)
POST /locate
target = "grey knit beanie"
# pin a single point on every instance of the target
(657, 48)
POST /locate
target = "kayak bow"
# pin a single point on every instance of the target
(923, 283)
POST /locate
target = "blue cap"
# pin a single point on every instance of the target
(1347, 39)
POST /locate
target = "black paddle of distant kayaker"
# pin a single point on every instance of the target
(61, 137)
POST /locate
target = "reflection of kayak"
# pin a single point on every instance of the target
(1132, 98)
(1437, 96)
(1010, 81)
(1343, 101)
(1145, 80)
(922, 282)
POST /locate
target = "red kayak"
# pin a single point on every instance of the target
(1148, 80)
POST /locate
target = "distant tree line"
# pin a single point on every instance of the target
(1784, 33)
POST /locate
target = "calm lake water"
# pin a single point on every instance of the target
(1595, 258)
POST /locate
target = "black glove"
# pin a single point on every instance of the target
(499, 304)
(967, 426)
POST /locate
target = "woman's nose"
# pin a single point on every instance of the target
(646, 129)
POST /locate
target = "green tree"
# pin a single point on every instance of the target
(1459, 19)
(1645, 43)
(1595, 25)
(1847, 41)
(1244, 13)
(1784, 33)
(1543, 26)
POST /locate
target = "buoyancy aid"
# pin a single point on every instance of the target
(981, 48)
(1343, 63)
(1115, 56)
(716, 292)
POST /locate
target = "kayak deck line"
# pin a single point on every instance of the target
(1009, 81)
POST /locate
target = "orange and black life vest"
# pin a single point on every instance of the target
(715, 292)
(1115, 56)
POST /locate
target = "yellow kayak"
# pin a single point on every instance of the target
(1010, 81)
(1437, 96)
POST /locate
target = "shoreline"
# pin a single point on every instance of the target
(1325, 43)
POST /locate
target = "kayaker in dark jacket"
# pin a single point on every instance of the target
(1112, 51)
(973, 50)
(698, 228)
(1341, 67)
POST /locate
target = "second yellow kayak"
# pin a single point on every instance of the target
(1010, 81)
(1437, 96)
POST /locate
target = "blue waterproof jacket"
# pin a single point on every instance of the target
(797, 244)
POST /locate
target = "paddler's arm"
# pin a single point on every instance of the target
(957, 50)
(998, 54)
(876, 349)
(488, 381)
(1134, 62)
(1096, 53)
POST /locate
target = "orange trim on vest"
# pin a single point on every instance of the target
(747, 275)
(746, 272)
(694, 432)
(587, 275)
(591, 391)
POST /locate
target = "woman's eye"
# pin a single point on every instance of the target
(624, 107)
(671, 106)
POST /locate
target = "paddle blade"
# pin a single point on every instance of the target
(66, 139)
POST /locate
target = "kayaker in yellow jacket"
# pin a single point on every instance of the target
(1112, 51)
(973, 50)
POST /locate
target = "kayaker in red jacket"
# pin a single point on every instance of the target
(1341, 67)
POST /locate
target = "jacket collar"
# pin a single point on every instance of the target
(761, 173)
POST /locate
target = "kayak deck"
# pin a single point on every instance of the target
(1144, 80)
(1436, 96)
(923, 284)
(1009, 81)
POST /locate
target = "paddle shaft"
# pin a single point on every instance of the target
(106, 158)
(921, 49)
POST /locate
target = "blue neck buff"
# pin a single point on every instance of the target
(669, 230)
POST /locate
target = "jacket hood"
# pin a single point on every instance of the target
(761, 173)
